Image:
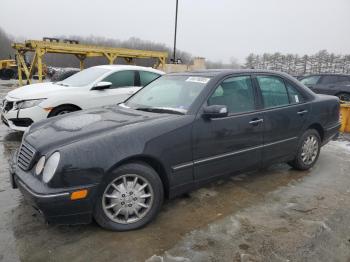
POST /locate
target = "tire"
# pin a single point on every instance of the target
(61, 110)
(344, 97)
(308, 150)
(121, 208)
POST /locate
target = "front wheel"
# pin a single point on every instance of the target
(62, 110)
(308, 150)
(130, 198)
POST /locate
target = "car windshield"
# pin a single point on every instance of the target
(84, 77)
(169, 94)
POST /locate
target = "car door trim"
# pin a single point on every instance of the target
(215, 157)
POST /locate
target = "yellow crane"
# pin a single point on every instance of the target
(81, 51)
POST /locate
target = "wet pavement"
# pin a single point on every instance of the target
(277, 214)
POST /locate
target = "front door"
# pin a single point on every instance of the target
(124, 84)
(233, 143)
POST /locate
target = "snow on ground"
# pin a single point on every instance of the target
(342, 144)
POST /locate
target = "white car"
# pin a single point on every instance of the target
(93, 87)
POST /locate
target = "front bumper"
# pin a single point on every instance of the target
(21, 119)
(54, 203)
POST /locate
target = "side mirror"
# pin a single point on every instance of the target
(215, 111)
(101, 85)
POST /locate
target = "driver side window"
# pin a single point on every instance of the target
(236, 93)
(121, 79)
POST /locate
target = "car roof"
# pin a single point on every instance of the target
(327, 74)
(223, 72)
(130, 67)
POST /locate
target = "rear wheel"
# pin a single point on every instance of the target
(308, 150)
(344, 96)
(130, 198)
(61, 110)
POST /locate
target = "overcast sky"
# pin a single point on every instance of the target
(216, 30)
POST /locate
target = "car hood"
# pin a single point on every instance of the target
(35, 91)
(72, 127)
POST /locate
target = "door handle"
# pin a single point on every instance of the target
(256, 121)
(302, 112)
(131, 92)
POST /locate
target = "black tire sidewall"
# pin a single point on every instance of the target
(140, 169)
(57, 110)
(299, 163)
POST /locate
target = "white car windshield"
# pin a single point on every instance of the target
(168, 94)
(84, 77)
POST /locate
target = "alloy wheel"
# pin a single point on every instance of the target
(127, 199)
(309, 150)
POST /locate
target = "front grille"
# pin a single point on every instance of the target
(22, 122)
(25, 156)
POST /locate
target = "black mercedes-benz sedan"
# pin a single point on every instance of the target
(116, 164)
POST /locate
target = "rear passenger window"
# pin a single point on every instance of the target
(236, 93)
(273, 91)
(147, 77)
(295, 96)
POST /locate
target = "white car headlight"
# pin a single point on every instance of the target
(28, 103)
(40, 166)
(51, 166)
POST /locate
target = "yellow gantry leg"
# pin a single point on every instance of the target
(40, 53)
(19, 69)
(81, 60)
(110, 57)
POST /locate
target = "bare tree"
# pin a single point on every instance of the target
(321, 62)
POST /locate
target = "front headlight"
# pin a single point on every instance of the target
(28, 103)
(51, 166)
(40, 166)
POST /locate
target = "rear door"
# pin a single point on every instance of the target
(285, 113)
(232, 143)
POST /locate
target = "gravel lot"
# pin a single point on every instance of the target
(277, 214)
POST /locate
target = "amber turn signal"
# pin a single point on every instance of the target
(80, 194)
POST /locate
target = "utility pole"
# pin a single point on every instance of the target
(174, 53)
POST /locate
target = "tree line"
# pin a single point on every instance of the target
(65, 60)
(321, 62)
(6, 51)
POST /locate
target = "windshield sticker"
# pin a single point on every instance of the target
(195, 79)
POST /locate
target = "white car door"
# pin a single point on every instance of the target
(123, 85)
